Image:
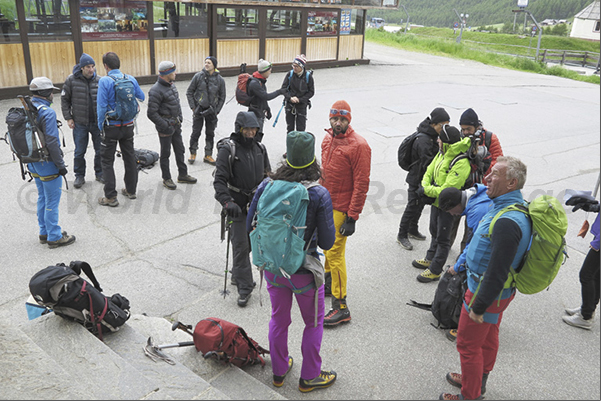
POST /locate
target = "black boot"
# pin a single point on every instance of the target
(338, 314)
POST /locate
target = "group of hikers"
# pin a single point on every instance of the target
(458, 172)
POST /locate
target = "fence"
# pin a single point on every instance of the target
(583, 59)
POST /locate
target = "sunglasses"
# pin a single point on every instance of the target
(341, 112)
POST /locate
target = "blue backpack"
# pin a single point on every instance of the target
(277, 242)
(126, 105)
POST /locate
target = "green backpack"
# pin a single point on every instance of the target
(546, 251)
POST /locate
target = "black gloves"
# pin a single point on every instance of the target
(62, 171)
(268, 114)
(579, 202)
(233, 210)
(348, 227)
(423, 197)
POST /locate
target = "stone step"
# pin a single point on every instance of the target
(91, 365)
(230, 380)
(29, 373)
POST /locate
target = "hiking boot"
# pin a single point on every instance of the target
(243, 299)
(100, 179)
(186, 179)
(338, 314)
(327, 285)
(209, 159)
(455, 380)
(416, 235)
(79, 181)
(325, 379)
(64, 241)
(127, 194)
(421, 263)
(451, 334)
(192, 158)
(168, 183)
(278, 381)
(112, 202)
(573, 311)
(427, 276)
(577, 320)
(44, 238)
(405, 243)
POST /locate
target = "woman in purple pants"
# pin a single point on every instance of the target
(300, 166)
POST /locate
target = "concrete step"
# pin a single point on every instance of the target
(29, 373)
(94, 367)
(232, 381)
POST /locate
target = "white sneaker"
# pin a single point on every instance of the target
(573, 311)
(577, 320)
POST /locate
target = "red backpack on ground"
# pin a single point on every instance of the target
(219, 339)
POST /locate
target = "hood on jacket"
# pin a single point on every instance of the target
(426, 128)
(454, 149)
(245, 119)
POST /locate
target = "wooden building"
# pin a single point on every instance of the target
(47, 37)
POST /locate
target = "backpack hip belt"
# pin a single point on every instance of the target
(295, 290)
(45, 177)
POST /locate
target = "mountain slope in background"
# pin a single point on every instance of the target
(439, 13)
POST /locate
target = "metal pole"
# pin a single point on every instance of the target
(460, 22)
(540, 33)
(406, 25)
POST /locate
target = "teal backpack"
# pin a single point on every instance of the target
(277, 242)
(546, 252)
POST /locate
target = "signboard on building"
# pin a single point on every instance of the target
(322, 23)
(345, 22)
(113, 19)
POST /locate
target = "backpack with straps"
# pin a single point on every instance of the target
(277, 241)
(231, 144)
(227, 342)
(405, 158)
(126, 104)
(242, 96)
(479, 158)
(26, 139)
(307, 75)
(61, 289)
(546, 252)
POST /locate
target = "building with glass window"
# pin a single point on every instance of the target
(47, 37)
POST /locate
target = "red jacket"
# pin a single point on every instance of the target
(345, 168)
(495, 151)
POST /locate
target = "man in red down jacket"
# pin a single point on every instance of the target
(345, 165)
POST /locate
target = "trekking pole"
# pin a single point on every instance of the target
(231, 99)
(596, 186)
(226, 224)
(279, 112)
(26, 106)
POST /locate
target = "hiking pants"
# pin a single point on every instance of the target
(197, 123)
(589, 282)
(441, 223)
(455, 228)
(281, 304)
(176, 141)
(296, 114)
(335, 263)
(80, 139)
(478, 344)
(241, 269)
(124, 136)
(49, 196)
(412, 213)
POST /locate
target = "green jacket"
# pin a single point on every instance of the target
(438, 176)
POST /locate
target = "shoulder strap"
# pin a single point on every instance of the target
(307, 74)
(456, 159)
(232, 157)
(517, 207)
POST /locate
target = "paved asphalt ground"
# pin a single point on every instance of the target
(163, 252)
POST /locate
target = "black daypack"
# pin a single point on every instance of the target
(404, 153)
(61, 289)
(145, 158)
(448, 300)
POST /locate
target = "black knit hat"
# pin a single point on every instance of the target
(449, 134)
(469, 117)
(449, 198)
(300, 149)
(439, 115)
(213, 60)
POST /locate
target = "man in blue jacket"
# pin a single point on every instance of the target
(48, 173)
(116, 132)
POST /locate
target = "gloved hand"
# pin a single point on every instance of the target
(170, 130)
(268, 114)
(232, 209)
(348, 227)
(579, 202)
(423, 197)
(62, 171)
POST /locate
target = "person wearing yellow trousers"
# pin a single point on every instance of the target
(346, 164)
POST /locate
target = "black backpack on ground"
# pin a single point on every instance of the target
(448, 300)
(61, 289)
(145, 158)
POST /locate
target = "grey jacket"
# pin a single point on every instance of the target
(78, 97)
(204, 87)
(164, 108)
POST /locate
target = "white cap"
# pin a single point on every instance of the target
(41, 83)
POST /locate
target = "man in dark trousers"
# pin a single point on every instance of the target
(257, 89)
(206, 96)
(78, 103)
(237, 177)
(165, 111)
(423, 151)
(298, 88)
(116, 132)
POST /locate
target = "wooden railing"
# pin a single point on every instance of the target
(580, 58)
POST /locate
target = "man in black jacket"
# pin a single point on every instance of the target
(165, 111)
(257, 89)
(423, 151)
(298, 88)
(236, 180)
(78, 103)
(206, 96)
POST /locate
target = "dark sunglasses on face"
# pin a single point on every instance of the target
(341, 112)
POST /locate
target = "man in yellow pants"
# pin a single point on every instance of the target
(345, 166)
